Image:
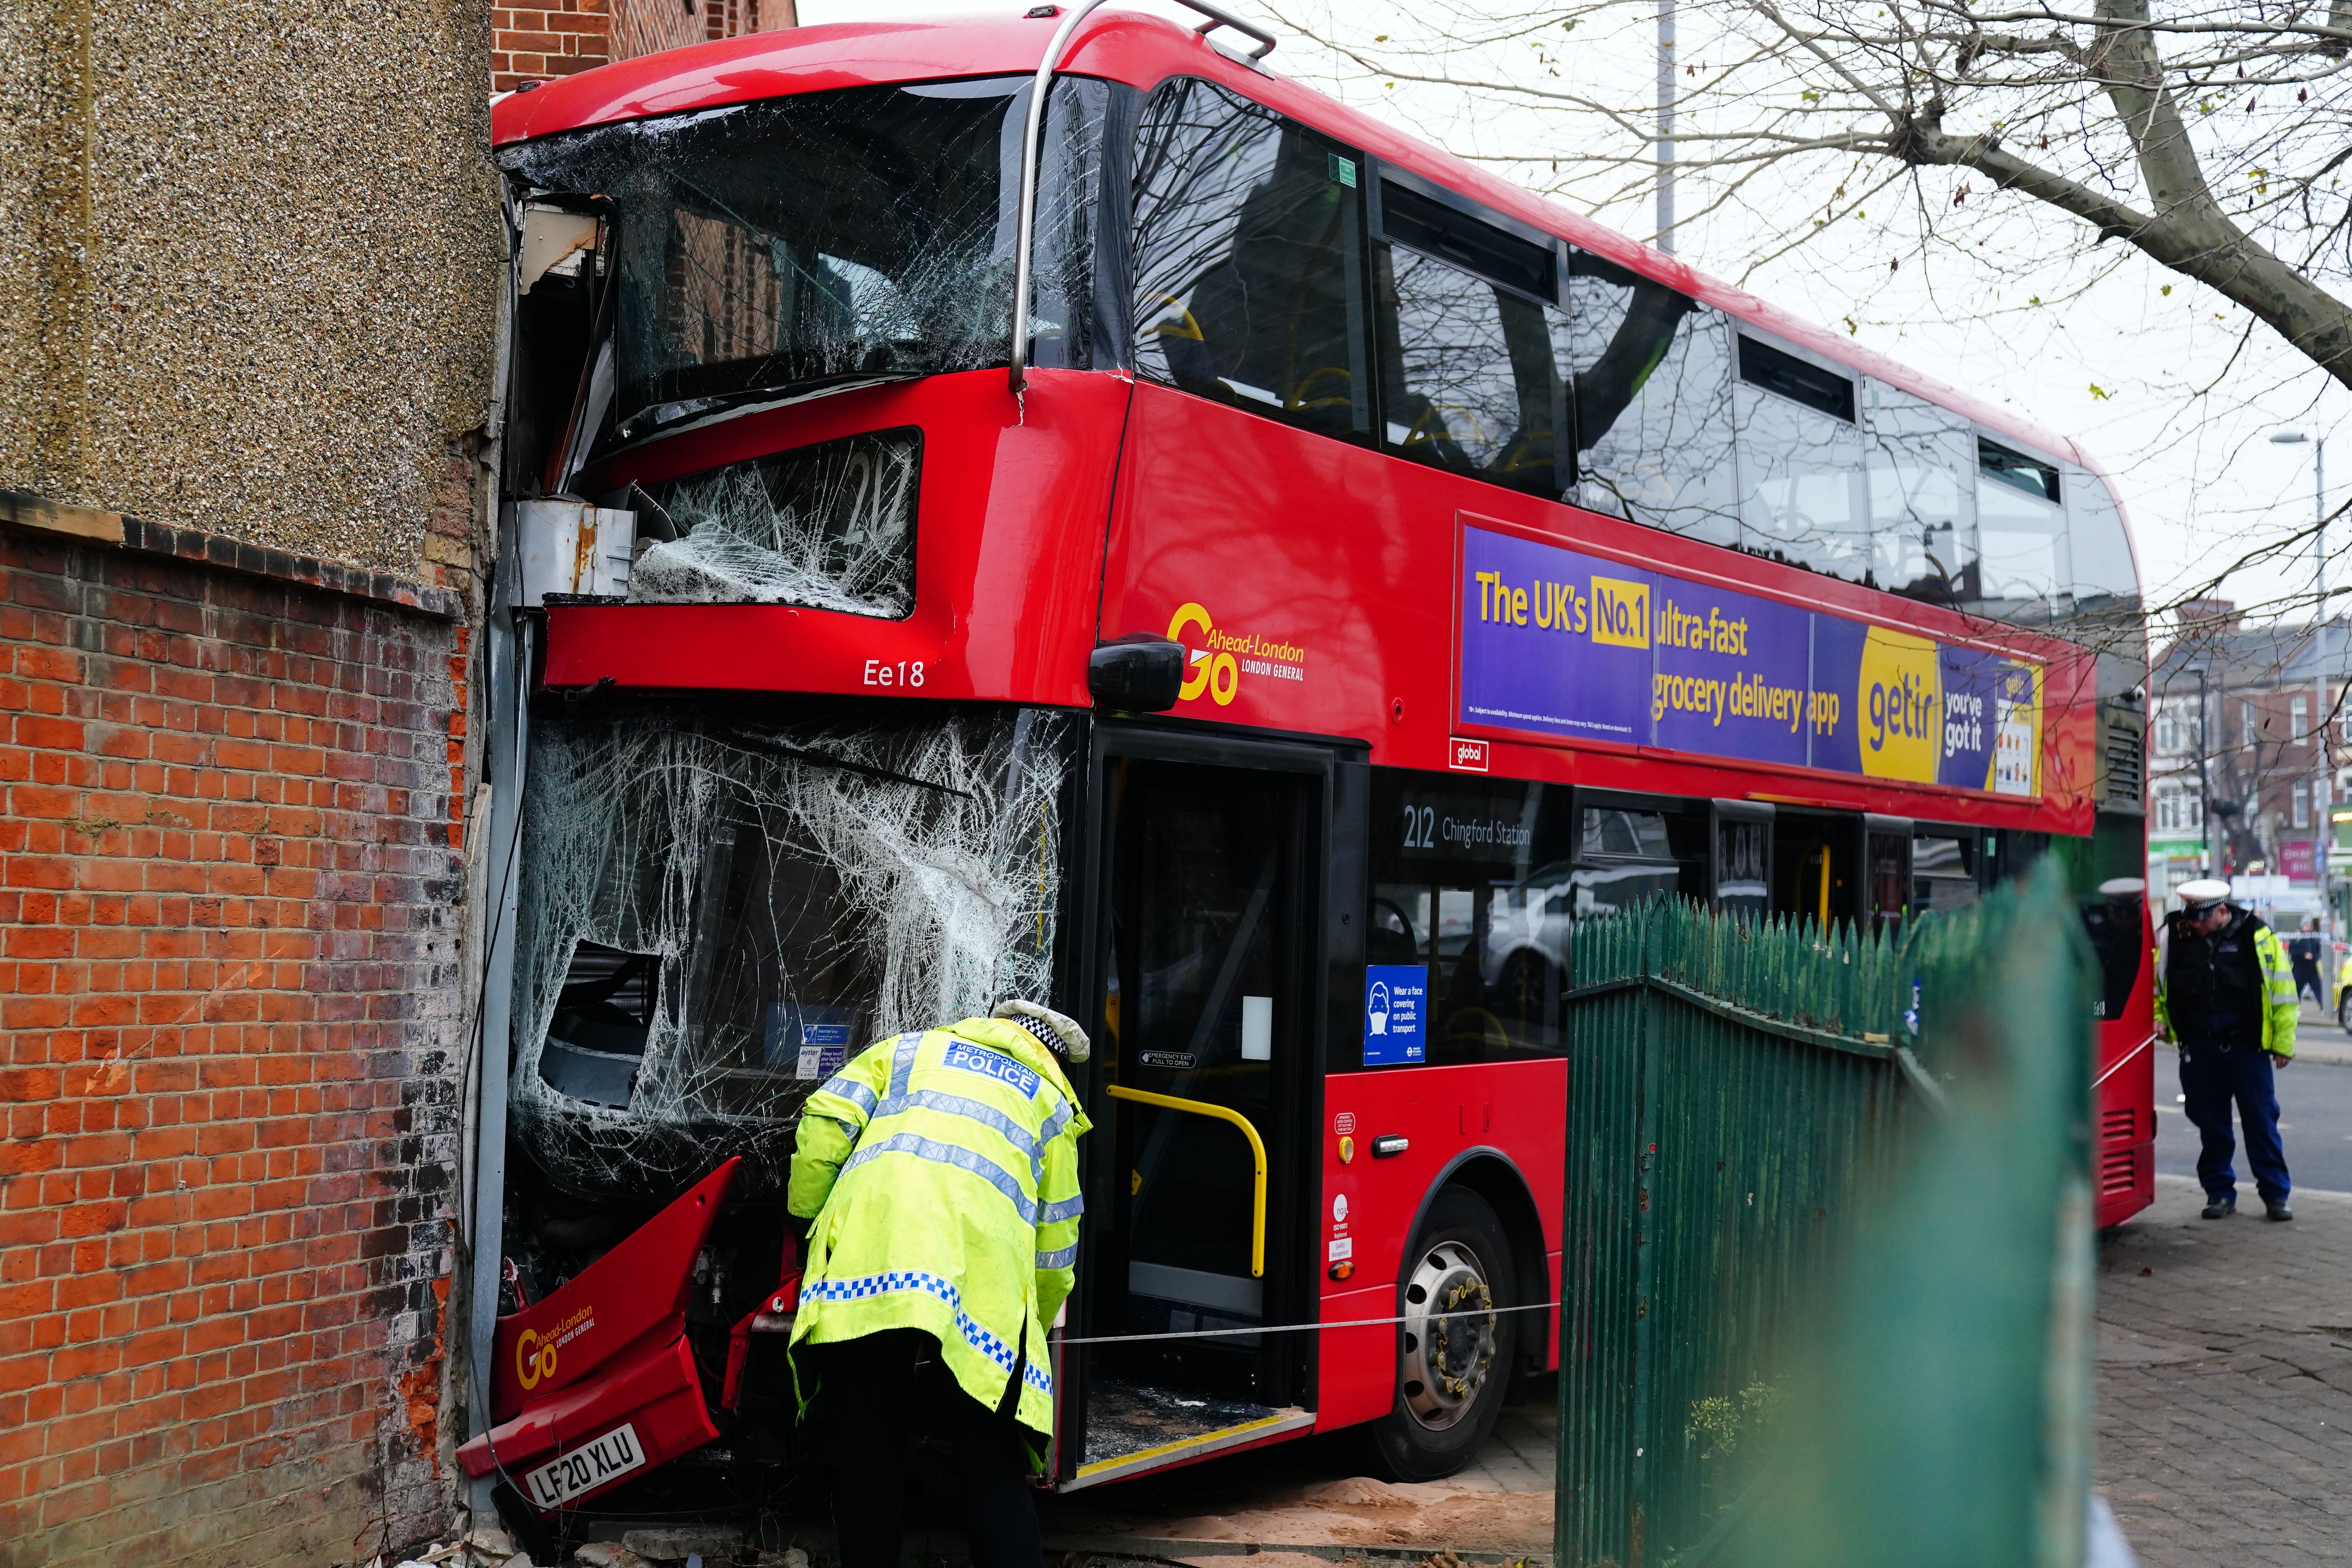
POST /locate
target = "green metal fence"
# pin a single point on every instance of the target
(1818, 1191)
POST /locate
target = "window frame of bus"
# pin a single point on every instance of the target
(1546, 295)
(1131, 328)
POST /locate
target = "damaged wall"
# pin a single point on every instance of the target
(250, 266)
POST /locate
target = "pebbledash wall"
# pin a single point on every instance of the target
(251, 262)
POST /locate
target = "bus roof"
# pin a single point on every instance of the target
(1144, 50)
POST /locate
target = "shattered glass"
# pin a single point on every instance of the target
(831, 527)
(717, 909)
(769, 249)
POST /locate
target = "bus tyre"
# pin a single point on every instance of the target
(2344, 1011)
(1451, 1371)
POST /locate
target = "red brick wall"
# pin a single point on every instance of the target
(553, 39)
(230, 1031)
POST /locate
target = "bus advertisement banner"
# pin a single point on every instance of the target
(1558, 644)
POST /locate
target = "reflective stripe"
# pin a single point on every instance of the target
(923, 1148)
(1067, 1208)
(901, 1279)
(1060, 1257)
(850, 1128)
(850, 1089)
(902, 1063)
(1057, 1122)
(972, 1110)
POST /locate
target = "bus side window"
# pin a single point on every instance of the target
(1467, 381)
(1248, 259)
(1803, 497)
(2104, 576)
(1922, 504)
(1651, 372)
(2021, 536)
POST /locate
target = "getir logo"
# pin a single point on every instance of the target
(1902, 705)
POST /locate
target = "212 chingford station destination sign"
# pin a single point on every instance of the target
(1559, 644)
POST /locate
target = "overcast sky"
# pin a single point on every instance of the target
(2185, 396)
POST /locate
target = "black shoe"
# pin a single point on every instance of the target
(2278, 1211)
(2220, 1208)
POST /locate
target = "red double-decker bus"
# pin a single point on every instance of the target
(1362, 573)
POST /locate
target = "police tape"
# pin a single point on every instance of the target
(1304, 1327)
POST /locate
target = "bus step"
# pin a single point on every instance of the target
(1131, 1428)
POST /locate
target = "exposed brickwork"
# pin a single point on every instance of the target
(230, 1021)
(557, 38)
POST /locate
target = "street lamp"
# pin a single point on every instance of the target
(2321, 775)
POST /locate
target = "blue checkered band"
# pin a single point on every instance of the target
(901, 1279)
(902, 1063)
(987, 1116)
(1060, 1257)
(850, 1089)
(1068, 1208)
(923, 1148)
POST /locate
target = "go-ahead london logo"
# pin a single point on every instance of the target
(1215, 661)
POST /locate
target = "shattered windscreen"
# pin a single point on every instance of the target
(718, 910)
(830, 526)
(772, 246)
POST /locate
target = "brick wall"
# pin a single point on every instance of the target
(230, 1028)
(553, 39)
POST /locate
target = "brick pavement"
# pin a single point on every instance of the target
(2225, 1383)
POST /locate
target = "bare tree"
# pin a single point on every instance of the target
(2211, 142)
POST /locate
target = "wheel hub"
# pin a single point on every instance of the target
(1448, 1356)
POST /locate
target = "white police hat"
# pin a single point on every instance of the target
(1057, 1032)
(2203, 893)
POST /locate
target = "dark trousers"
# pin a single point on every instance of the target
(877, 1387)
(2306, 978)
(2213, 1080)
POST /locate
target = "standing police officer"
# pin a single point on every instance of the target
(2226, 999)
(940, 1170)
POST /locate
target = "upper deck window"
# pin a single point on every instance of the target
(1652, 402)
(1467, 377)
(770, 247)
(1799, 381)
(1249, 236)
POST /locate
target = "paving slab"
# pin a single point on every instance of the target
(2225, 1381)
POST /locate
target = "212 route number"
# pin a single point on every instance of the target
(584, 1469)
(882, 672)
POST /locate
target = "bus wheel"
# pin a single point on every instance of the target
(2344, 1011)
(1456, 1353)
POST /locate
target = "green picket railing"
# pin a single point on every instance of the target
(1776, 1138)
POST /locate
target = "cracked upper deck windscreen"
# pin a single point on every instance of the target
(716, 912)
(769, 248)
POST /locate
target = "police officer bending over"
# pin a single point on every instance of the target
(941, 1169)
(2226, 999)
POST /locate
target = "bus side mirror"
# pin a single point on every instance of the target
(1138, 674)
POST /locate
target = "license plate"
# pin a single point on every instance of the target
(586, 1467)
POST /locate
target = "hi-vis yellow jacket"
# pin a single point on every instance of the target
(2281, 1005)
(942, 1170)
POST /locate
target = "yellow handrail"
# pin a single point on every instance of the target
(1258, 1153)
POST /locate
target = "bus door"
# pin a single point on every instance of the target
(1816, 865)
(1207, 952)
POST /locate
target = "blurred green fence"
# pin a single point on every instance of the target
(1827, 1246)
